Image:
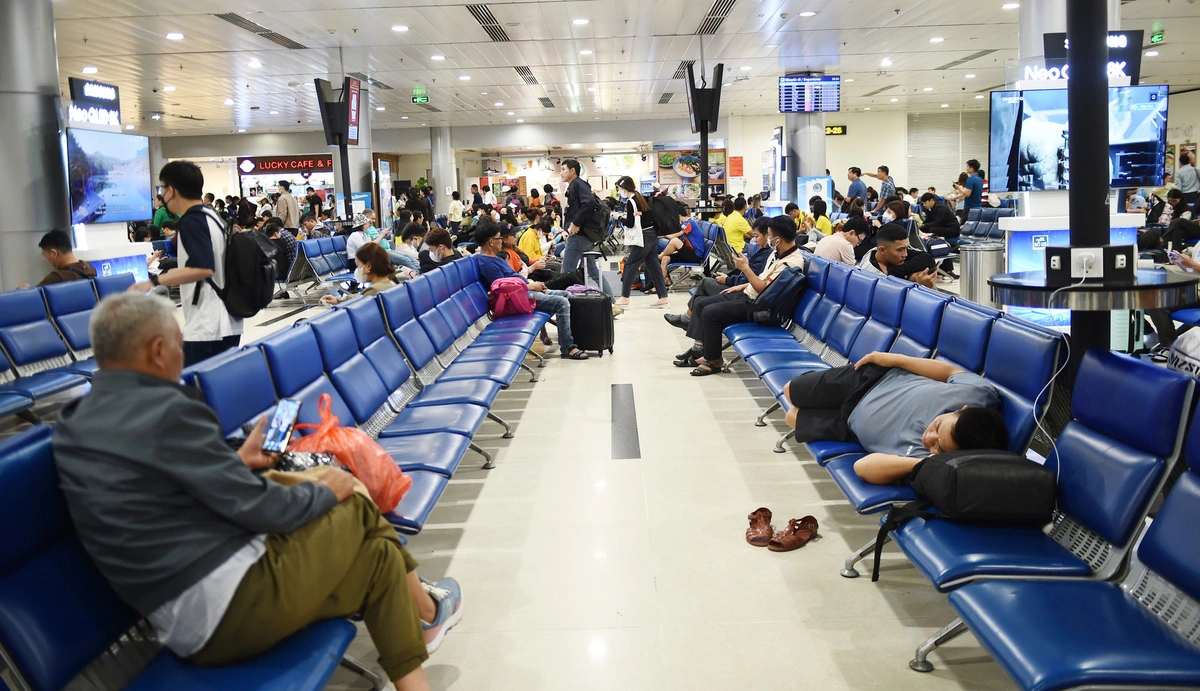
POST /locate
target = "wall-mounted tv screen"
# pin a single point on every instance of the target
(1030, 151)
(109, 177)
(799, 93)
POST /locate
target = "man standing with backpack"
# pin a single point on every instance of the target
(208, 327)
(580, 218)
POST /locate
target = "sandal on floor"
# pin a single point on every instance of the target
(575, 354)
(798, 533)
(705, 369)
(760, 530)
(689, 361)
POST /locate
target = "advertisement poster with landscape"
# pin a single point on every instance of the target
(109, 177)
(679, 172)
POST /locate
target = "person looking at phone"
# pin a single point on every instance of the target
(685, 246)
(892, 256)
(225, 563)
(757, 251)
(439, 250)
(376, 269)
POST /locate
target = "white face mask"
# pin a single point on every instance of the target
(626, 194)
(360, 275)
(888, 216)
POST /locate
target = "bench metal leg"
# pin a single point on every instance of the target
(30, 417)
(779, 444)
(953, 630)
(489, 463)
(508, 433)
(861, 553)
(378, 683)
(761, 421)
(729, 363)
(532, 374)
(541, 360)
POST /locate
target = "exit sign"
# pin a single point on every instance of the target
(420, 99)
(1156, 37)
(835, 130)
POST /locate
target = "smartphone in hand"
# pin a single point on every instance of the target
(279, 430)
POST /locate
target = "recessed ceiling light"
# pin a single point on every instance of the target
(242, 130)
(595, 118)
(928, 88)
(93, 70)
(520, 120)
(968, 76)
(591, 88)
(403, 117)
(978, 96)
(886, 62)
(174, 36)
(229, 101)
(274, 112)
(589, 74)
(511, 113)
(1010, 5)
(585, 51)
(746, 68)
(936, 39)
(464, 77)
(595, 111)
(156, 116)
(483, 93)
(498, 104)
(380, 108)
(255, 63)
(726, 84)
(867, 108)
(848, 79)
(128, 127)
(400, 27)
(945, 105)
(580, 22)
(771, 46)
(437, 57)
(1149, 54)
(168, 89)
(422, 124)
(894, 100)
(808, 13)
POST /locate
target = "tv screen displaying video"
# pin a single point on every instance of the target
(1030, 151)
(109, 177)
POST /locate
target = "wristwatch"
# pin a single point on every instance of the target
(154, 279)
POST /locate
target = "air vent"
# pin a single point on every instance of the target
(716, 15)
(879, 91)
(681, 71)
(969, 58)
(546, 102)
(368, 80)
(526, 74)
(488, 21)
(429, 108)
(260, 30)
(666, 97)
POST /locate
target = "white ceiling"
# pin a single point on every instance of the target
(636, 48)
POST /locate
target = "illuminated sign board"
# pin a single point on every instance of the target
(262, 165)
(93, 103)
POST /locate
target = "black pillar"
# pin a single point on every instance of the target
(1087, 113)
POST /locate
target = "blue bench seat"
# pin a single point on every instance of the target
(455, 419)
(414, 509)
(865, 497)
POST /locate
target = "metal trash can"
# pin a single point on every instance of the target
(980, 261)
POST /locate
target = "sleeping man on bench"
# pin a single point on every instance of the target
(900, 408)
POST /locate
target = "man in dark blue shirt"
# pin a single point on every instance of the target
(858, 188)
(974, 198)
(492, 267)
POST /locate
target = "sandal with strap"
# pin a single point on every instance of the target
(798, 533)
(575, 354)
(760, 530)
(705, 369)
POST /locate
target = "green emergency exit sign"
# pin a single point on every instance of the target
(420, 99)
(1156, 37)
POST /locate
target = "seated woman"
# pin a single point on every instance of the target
(376, 269)
(686, 246)
(817, 224)
(733, 305)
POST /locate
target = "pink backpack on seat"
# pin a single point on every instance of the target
(509, 295)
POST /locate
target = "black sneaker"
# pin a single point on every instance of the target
(677, 320)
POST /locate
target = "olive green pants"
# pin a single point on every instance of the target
(343, 563)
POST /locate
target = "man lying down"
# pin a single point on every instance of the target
(899, 408)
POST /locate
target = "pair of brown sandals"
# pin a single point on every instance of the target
(798, 533)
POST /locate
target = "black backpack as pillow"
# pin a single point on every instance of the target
(984, 487)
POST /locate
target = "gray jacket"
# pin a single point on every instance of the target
(157, 495)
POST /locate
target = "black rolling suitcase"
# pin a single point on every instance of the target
(592, 322)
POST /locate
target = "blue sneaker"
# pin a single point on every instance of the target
(448, 596)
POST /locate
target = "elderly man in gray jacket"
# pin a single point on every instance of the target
(223, 562)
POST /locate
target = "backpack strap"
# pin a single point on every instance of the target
(227, 233)
(896, 517)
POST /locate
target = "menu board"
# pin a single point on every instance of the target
(679, 171)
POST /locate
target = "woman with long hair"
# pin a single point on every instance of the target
(376, 268)
(637, 217)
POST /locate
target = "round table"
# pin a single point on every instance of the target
(1152, 289)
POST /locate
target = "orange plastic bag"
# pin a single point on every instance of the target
(356, 450)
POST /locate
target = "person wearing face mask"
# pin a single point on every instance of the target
(439, 250)
(377, 270)
(637, 217)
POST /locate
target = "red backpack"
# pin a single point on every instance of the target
(509, 295)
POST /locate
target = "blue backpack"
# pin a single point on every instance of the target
(778, 302)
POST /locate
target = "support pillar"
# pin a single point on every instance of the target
(441, 156)
(32, 152)
(805, 136)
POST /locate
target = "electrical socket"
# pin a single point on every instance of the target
(1087, 262)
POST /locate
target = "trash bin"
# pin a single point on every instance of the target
(980, 261)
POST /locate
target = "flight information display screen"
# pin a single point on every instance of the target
(810, 94)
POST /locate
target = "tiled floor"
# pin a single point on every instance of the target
(583, 572)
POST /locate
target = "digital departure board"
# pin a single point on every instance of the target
(810, 94)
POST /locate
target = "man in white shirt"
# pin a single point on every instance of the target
(488, 197)
(208, 327)
(1187, 179)
(287, 208)
(839, 247)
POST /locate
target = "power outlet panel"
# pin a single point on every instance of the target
(1087, 262)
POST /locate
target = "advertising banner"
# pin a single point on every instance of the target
(353, 88)
(679, 171)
